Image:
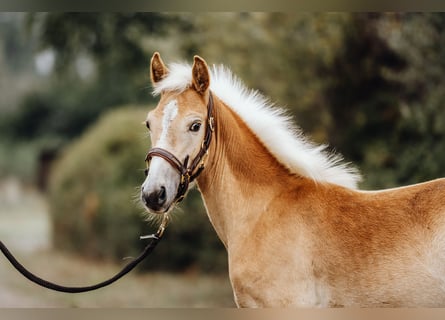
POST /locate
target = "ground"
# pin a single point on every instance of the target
(25, 228)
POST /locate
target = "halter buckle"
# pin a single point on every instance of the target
(203, 159)
(211, 124)
(161, 229)
(185, 177)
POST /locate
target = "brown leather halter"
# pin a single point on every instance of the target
(188, 174)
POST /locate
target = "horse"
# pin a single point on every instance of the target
(296, 228)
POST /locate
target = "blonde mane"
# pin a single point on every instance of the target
(270, 124)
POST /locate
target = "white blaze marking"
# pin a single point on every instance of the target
(170, 112)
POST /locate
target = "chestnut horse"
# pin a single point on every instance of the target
(296, 229)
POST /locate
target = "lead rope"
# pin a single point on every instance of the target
(155, 238)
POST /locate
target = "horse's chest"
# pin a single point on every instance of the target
(263, 290)
(273, 278)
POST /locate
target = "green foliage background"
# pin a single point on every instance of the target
(369, 84)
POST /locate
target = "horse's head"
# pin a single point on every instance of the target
(180, 129)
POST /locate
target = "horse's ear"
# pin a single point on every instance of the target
(201, 78)
(158, 70)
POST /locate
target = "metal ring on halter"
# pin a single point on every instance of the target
(160, 232)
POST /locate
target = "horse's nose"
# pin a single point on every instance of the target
(156, 199)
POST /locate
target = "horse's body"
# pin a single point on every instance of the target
(293, 239)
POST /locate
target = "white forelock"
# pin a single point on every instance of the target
(270, 124)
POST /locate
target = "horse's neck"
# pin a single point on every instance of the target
(241, 177)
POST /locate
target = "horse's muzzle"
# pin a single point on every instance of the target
(155, 200)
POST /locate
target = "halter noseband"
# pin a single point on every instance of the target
(188, 174)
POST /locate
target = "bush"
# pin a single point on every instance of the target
(94, 201)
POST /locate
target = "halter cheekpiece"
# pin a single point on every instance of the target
(187, 174)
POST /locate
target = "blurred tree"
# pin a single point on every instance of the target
(363, 102)
(16, 60)
(369, 84)
(386, 98)
(16, 80)
(99, 59)
(418, 145)
(275, 53)
(116, 41)
(366, 83)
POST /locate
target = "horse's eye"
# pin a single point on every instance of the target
(147, 125)
(195, 126)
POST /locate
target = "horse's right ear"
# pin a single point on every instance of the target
(158, 70)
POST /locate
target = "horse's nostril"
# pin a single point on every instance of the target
(162, 195)
(146, 200)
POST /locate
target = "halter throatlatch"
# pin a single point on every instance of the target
(187, 174)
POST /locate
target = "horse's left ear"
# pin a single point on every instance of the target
(201, 78)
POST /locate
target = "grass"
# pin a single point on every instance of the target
(134, 290)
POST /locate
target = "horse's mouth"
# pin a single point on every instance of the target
(158, 211)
